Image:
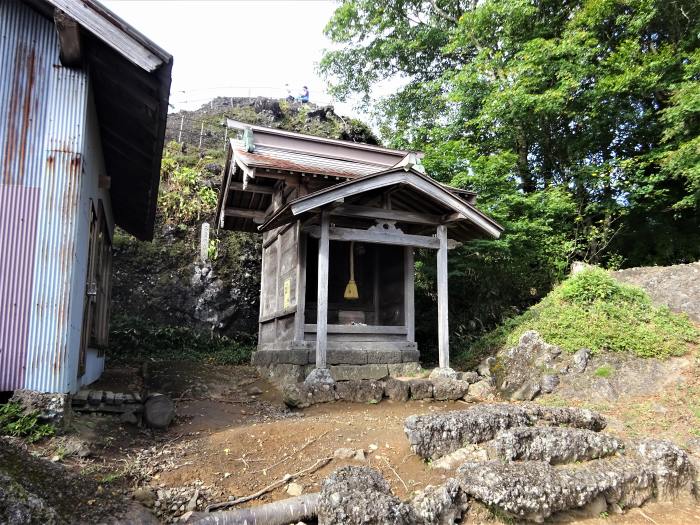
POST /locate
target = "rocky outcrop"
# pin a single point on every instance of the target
(361, 495)
(554, 445)
(37, 491)
(534, 490)
(530, 490)
(677, 287)
(533, 368)
(435, 435)
(441, 505)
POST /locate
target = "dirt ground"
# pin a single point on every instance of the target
(233, 436)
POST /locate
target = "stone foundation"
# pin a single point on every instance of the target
(347, 361)
(287, 374)
(372, 354)
(302, 395)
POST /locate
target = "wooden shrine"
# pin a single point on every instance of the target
(340, 222)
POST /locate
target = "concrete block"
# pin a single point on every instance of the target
(261, 358)
(358, 372)
(384, 356)
(283, 373)
(408, 356)
(404, 369)
(345, 357)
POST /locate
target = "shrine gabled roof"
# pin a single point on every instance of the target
(414, 192)
(305, 163)
(262, 157)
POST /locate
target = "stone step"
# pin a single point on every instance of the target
(435, 435)
(535, 490)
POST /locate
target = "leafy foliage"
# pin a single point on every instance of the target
(184, 198)
(577, 122)
(15, 421)
(592, 310)
(132, 339)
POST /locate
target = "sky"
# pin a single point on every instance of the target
(236, 47)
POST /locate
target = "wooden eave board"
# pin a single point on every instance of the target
(432, 194)
(234, 124)
(114, 32)
(132, 107)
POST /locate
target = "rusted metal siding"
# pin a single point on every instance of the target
(42, 119)
(18, 214)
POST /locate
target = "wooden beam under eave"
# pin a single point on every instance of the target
(71, 49)
(369, 212)
(379, 237)
(258, 217)
(253, 188)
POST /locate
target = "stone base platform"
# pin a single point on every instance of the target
(287, 374)
(347, 361)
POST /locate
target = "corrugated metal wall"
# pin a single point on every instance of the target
(42, 120)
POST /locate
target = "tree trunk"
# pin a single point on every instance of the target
(282, 512)
(527, 184)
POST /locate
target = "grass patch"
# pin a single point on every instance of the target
(16, 422)
(592, 310)
(603, 371)
(132, 340)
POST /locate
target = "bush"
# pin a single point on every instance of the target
(15, 422)
(592, 310)
(133, 340)
(184, 196)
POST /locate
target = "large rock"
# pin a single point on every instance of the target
(519, 370)
(434, 435)
(397, 390)
(449, 389)
(360, 495)
(421, 389)
(20, 507)
(673, 468)
(158, 411)
(625, 376)
(51, 408)
(534, 490)
(534, 367)
(302, 395)
(554, 445)
(676, 286)
(482, 390)
(441, 505)
(366, 391)
(34, 490)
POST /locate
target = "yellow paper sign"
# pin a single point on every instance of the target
(287, 292)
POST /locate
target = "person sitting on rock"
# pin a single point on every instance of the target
(304, 97)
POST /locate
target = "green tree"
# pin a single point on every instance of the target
(577, 121)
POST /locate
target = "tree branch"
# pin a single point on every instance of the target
(442, 13)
